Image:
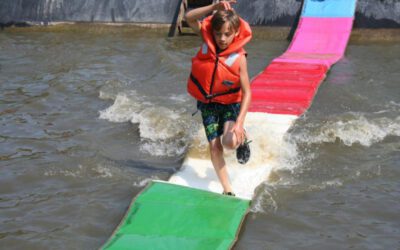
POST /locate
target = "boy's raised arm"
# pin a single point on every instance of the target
(193, 16)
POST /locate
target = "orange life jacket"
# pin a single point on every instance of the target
(215, 77)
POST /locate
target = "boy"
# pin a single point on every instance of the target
(220, 82)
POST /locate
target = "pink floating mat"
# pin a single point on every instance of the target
(319, 40)
(289, 83)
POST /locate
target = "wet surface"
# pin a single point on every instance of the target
(88, 118)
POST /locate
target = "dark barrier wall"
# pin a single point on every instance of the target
(147, 11)
(370, 13)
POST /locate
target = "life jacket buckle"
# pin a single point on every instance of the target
(228, 83)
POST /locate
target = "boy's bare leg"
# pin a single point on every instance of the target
(229, 139)
(218, 161)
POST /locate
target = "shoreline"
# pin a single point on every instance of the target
(259, 32)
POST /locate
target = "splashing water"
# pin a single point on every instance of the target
(350, 128)
(163, 131)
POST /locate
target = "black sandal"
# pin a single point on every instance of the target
(243, 152)
(228, 193)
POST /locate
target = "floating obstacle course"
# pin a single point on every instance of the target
(189, 212)
(288, 85)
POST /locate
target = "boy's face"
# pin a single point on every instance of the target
(224, 36)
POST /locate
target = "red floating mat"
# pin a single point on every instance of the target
(283, 108)
(300, 67)
(286, 88)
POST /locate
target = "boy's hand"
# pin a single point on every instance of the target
(239, 131)
(224, 5)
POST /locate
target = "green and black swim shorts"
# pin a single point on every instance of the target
(215, 115)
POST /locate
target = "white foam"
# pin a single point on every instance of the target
(264, 202)
(159, 124)
(125, 107)
(103, 171)
(351, 128)
(265, 130)
(365, 131)
(144, 182)
(163, 132)
(164, 148)
(98, 171)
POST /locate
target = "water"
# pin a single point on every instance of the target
(90, 115)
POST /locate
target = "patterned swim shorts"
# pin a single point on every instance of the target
(215, 115)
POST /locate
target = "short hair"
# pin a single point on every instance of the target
(222, 16)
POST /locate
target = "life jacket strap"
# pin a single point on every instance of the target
(210, 96)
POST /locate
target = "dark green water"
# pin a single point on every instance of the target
(88, 118)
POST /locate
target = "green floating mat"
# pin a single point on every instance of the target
(169, 216)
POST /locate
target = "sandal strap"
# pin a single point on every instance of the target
(228, 193)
